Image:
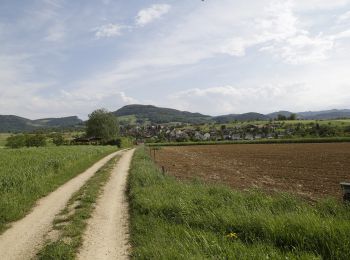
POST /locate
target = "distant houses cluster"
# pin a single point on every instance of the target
(155, 133)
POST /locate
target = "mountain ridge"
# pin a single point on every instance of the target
(13, 123)
(154, 114)
(165, 115)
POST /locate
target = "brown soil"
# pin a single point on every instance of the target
(310, 170)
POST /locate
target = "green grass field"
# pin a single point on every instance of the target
(30, 173)
(171, 219)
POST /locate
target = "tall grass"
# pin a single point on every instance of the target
(171, 219)
(30, 173)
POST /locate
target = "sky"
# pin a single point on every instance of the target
(60, 57)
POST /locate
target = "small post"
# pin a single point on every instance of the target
(163, 170)
(346, 190)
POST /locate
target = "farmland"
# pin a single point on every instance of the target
(212, 221)
(28, 174)
(311, 171)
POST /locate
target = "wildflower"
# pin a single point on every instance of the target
(232, 235)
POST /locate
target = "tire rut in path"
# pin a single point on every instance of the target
(107, 233)
(26, 236)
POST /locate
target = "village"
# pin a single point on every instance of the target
(178, 132)
(184, 133)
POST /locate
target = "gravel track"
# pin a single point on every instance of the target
(107, 233)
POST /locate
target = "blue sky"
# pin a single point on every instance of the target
(60, 57)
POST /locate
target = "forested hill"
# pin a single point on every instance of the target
(11, 123)
(161, 115)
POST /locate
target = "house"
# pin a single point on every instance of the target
(236, 137)
(206, 137)
(248, 136)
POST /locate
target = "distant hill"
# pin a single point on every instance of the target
(11, 123)
(132, 114)
(240, 117)
(161, 115)
(327, 114)
(153, 114)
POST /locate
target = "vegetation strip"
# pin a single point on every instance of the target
(261, 141)
(69, 225)
(28, 174)
(171, 219)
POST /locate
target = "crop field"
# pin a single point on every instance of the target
(30, 173)
(312, 171)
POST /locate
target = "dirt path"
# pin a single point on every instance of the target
(106, 236)
(26, 236)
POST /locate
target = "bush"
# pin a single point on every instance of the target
(116, 142)
(16, 141)
(58, 139)
(35, 140)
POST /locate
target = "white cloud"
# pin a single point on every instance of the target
(230, 99)
(302, 49)
(344, 17)
(108, 30)
(148, 15)
(319, 4)
(55, 33)
(235, 47)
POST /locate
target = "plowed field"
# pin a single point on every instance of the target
(310, 170)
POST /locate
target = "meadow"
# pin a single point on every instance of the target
(172, 219)
(28, 174)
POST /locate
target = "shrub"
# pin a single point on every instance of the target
(58, 139)
(36, 140)
(16, 141)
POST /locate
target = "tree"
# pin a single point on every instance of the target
(102, 124)
(281, 117)
(16, 141)
(292, 117)
(36, 140)
(58, 139)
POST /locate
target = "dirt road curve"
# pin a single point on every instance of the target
(26, 236)
(106, 236)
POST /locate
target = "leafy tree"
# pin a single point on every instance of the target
(58, 139)
(36, 140)
(16, 141)
(292, 117)
(102, 124)
(281, 117)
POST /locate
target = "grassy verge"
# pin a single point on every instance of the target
(171, 219)
(71, 223)
(30, 173)
(261, 141)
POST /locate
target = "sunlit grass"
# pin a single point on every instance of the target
(28, 174)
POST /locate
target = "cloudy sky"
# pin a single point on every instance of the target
(62, 57)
